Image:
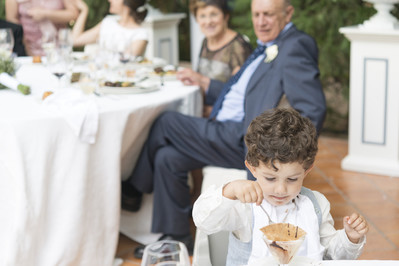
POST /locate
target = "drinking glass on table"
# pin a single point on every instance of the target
(57, 64)
(49, 45)
(65, 41)
(165, 253)
(6, 40)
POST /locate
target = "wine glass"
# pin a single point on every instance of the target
(6, 40)
(165, 253)
(58, 65)
(124, 57)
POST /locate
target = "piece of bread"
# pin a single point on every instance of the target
(46, 94)
(37, 59)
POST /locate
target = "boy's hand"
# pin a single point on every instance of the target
(355, 227)
(245, 191)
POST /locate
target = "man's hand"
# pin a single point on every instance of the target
(355, 227)
(190, 77)
(245, 191)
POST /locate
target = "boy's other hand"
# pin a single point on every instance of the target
(246, 191)
(355, 227)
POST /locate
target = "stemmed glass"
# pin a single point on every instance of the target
(124, 57)
(58, 65)
(165, 253)
(6, 40)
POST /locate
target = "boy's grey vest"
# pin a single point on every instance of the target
(238, 252)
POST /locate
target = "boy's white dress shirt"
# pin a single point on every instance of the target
(213, 213)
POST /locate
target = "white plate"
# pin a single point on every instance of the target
(143, 87)
(297, 261)
(80, 56)
(166, 77)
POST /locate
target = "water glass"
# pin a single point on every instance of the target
(165, 253)
(6, 40)
(65, 41)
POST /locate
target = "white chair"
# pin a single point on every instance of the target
(212, 250)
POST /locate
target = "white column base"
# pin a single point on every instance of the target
(371, 165)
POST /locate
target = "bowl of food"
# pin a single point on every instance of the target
(283, 240)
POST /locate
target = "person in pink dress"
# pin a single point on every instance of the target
(40, 20)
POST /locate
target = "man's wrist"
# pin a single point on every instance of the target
(204, 83)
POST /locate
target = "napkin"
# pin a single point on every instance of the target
(79, 110)
(8, 81)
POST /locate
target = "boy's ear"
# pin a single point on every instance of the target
(250, 168)
(309, 169)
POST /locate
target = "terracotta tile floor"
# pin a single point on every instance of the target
(375, 197)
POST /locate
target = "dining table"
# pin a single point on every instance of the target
(303, 261)
(339, 263)
(62, 160)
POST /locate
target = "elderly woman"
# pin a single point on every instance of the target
(122, 33)
(223, 50)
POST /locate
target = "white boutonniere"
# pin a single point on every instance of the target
(271, 53)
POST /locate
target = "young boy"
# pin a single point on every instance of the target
(282, 146)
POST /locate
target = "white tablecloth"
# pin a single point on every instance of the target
(302, 261)
(60, 196)
(361, 263)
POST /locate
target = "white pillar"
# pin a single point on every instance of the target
(195, 41)
(374, 99)
(163, 35)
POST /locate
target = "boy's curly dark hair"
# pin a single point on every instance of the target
(282, 135)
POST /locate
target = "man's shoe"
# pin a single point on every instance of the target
(131, 197)
(186, 240)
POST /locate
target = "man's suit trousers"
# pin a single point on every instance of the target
(177, 144)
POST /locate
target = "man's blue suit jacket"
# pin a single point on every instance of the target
(293, 74)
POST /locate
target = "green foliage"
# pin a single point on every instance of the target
(97, 11)
(24, 89)
(322, 20)
(7, 65)
(2, 9)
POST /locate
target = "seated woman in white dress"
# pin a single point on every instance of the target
(121, 33)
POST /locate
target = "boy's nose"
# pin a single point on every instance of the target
(280, 189)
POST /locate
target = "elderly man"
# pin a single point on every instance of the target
(283, 68)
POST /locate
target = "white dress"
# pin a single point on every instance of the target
(116, 38)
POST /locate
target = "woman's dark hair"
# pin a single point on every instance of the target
(137, 9)
(281, 135)
(197, 4)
